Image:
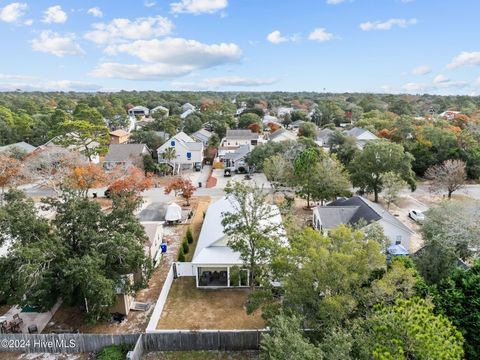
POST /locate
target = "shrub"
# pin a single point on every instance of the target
(189, 236)
(114, 352)
(185, 246)
(181, 255)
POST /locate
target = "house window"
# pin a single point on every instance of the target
(398, 239)
(189, 155)
(172, 143)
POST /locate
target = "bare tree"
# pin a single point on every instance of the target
(449, 176)
(51, 166)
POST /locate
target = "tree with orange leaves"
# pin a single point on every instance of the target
(183, 187)
(255, 128)
(87, 177)
(9, 169)
(132, 183)
(461, 120)
(273, 126)
(385, 133)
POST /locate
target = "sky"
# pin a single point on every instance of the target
(383, 46)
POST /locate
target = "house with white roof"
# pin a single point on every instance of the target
(282, 111)
(187, 113)
(215, 264)
(362, 136)
(162, 109)
(139, 111)
(188, 106)
(236, 138)
(202, 136)
(359, 210)
(187, 152)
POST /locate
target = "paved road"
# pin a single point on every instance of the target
(470, 190)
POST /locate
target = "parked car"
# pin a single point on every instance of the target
(416, 215)
(227, 172)
(197, 166)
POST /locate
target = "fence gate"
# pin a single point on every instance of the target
(184, 269)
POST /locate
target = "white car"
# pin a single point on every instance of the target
(416, 215)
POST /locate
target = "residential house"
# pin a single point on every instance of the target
(188, 152)
(361, 136)
(236, 160)
(188, 106)
(187, 113)
(22, 147)
(125, 156)
(139, 111)
(282, 135)
(57, 142)
(119, 136)
(236, 138)
(154, 232)
(357, 210)
(449, 114)
(162, 109)
(202, 136)
(215, 264)
(282, 111)
(267, 119)
(296, 124)
(323, 138)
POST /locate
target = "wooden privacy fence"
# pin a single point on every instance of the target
(222, 340)
(62, 343)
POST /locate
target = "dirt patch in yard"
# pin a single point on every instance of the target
(196, 224)
(190, 308)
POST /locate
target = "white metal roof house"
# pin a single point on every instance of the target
(187, 113)
(21, 146)
(188, 106)
(357, 209)
(160, 108)
(214, 259)
(362, 136)
(139, 111)
(202, 135)
(187, 152)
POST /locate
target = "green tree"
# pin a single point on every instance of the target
(305, 171)
(325, 275)
(245, 120)
(368, 168)
(308, 130)
(458, 298)
(286, 341)
(392, 185)
(88, 138)
(249, 231)
(410, 330)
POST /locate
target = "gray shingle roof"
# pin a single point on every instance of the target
(353, 210)
(123, 152)
(241, 134)
(23, 146)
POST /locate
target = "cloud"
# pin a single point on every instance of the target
(439, 82)
(95, 11)
(334, 2)
(121, 30)
(198, 6)
(55, 15)
(321, 35)
(149, 4)
(465, 58)
(52, 43)
(13, 12)
(31, 83)
(169, 57)
(226, 81)
(421, 70)
(275, 37)
(387, 25)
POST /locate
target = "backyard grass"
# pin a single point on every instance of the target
(202, 355)
(190, 308)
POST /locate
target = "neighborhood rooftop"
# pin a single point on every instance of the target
(122, 152)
